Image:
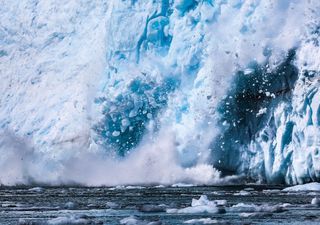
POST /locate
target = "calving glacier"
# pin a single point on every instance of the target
(164, 91)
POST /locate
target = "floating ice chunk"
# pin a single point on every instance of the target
(134, 187)
(250, 208)
(93, 206)
(69, 205)
(304, 187)
(243, 193)
(22, 221)
(131, 220)
(202, 220)
(36, 189)
(203, 200)
(182, 185)
(196, 209)
(247, 215)
(11, 205)
(273, 191)
(285, 205)
(153, 223)
(249, 189)
(221, 202)
(315, 201)
(202, 205)
(112, 205)
(255, 214)
(72, 220)
(241, 207)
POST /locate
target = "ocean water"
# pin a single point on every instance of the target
(250, 204)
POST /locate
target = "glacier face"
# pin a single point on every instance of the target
(166, 89)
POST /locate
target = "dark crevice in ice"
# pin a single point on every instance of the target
(247, 108)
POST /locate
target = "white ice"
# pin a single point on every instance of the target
(201, 205)
(304, 187)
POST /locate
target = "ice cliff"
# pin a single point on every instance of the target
(167, 89)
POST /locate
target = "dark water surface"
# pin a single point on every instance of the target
(149, 205)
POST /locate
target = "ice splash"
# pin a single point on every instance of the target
(85, 82)
(233, 73)
(154, 162)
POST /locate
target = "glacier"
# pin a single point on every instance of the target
(164, 91)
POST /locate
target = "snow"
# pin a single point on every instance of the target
(304, 187)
